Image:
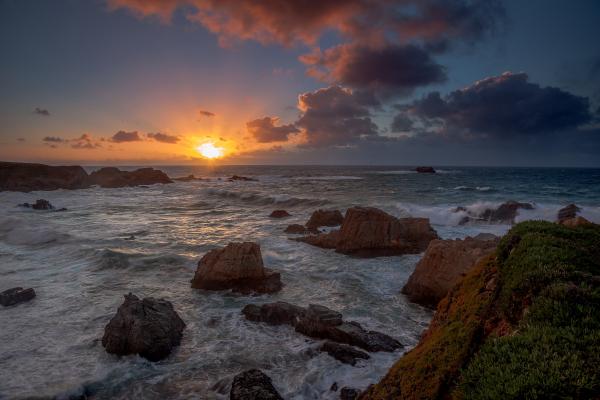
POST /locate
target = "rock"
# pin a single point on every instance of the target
(575, 221)
(253, 385)
(321, 323)
(279, 214)
(241, 178)
(189, 178)
(298, 229)
(348, 393)
(321, 218)
(24, 177)
(16, 295)
(425, 170)
(567, 212)
(344, 353)
(148, 327)
(40, 204)
(111, 177)
(444, 264)
(334, 387)
(370, 232)
(237, 266)
(504, 214)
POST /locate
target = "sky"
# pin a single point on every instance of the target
(367, 82)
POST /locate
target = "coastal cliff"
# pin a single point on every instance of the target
(521, 324)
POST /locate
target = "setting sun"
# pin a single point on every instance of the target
(209, 150)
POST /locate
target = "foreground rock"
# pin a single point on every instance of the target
(253, 385)
(321, 218)
(25, 177)
(504, 214)
(16, 295)
(148, 327)
(111, 177)
(370, 232)
(237, 266)
(444, 264)
(567, 212)
(575, 221)
(425, 170)
(321, 323)
(279, 214)
(343, 353)
(241, 178)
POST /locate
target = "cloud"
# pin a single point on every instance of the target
(21, 139)
(265, 130)
(501, 107)
(84, 142)
(335, 116)
(387, 69)
(163, 137)
(205, 113)
(123, 136)
(41, 111)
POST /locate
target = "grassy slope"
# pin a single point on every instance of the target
(524, 323)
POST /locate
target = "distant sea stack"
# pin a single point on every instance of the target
(425, 170)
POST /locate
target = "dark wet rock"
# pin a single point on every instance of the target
(322, 323)
(237, 266)
(504, 214)
(241, 178)
(370, 232)
(567, 212)
(321, 218)
(189, 178)
(253, 385)
(348, 393)
(444, 264)
(111, 177)
(298, 229)
(40, 204)
(425, 170)
(279, 214)
(16, 295)
(343, 353)
(334, 387)
(24, 177)
(148, 327)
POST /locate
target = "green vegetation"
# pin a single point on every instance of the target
(523, 324)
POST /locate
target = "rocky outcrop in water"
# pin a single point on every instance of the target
(189, 178)
(279, 214)
(503, 214)
(24, 177)
(444, 264)
(237, 266)
(241, 178)
(16, 295)
(425, 170)
(348, 393)
(148, 327)
(370, 232)
(321, 218)
(298, 229)
(343, 353)
(40, 204)
(253, 385)
(322, 323)
(111, 177)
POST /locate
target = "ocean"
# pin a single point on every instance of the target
(148, 240)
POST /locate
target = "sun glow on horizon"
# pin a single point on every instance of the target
(210, 151)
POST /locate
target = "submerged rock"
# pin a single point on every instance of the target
(298, 229)
(189, 178)
(348, 393)
(444, 264)
(425, 170)
(237, 266)
(370, 232)
(40, 204)
(148, 327)
(322, 323)
(503, 214)
(241, 178)
(24, 177)
(253, 385)
(321, 218)
(567, 212)
(16, 295)
(111, 177)
(279, 214)
(343, 353)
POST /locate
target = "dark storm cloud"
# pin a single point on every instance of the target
(123, 136)
(41, 111)
(502, 106)
(334, 116)
(401, 123)
(205, 113)
(163, 137)
(53, 139)
(265, 130)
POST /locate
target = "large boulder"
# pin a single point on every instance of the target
(505, 213)
(343, 353)
(148, 327)
(25, 177)
(16, 295)
(322, 323)
(567, 212)
(111, 177)
(237, 266)
(370, 232)
(321, 218)
(444, 264)
(253, 385)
